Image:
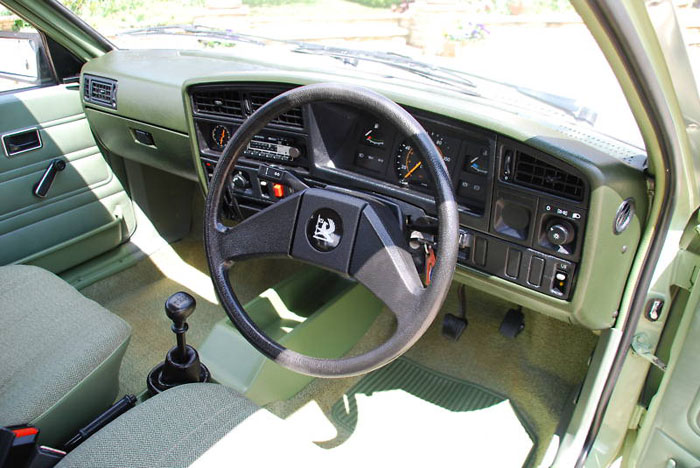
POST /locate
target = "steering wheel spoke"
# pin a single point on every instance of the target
(381, 262)
(267, 233)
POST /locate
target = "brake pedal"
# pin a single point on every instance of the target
(454, 325)
(513, 323)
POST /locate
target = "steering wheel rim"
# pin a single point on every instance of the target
(414, 306)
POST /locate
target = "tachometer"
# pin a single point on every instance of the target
(409, 165)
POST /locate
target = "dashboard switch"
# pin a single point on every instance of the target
(513, 262)
(560, 282)
(278, 190)
(536, 270)
(560, 232)
(480, 247)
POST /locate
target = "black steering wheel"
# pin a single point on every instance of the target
(353, 236)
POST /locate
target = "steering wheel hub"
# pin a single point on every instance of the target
(324, 230)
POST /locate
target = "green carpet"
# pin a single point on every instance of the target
(138, 295)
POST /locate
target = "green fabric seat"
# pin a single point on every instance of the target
(61, 354)
(171, 429)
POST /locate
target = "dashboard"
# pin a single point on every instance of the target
(523, 213)
(551, 211)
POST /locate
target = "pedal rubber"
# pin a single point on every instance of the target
(513, 323)
(453, 326)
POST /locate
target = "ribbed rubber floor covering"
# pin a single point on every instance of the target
(431, 387)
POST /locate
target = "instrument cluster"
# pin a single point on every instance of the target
(380, 152)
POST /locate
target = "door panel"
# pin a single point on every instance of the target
(674, 425)
(86, 211)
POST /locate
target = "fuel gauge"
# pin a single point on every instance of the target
(477, 162)
(374, 136)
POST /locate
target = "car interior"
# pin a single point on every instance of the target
(239, 251)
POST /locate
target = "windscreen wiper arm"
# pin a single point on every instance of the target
(442, 75)
(569, 105)
(197, 31)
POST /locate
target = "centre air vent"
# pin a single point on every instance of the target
(218, 102)
(100, 91)
(292, 118)
(522, 169)
(241, 104)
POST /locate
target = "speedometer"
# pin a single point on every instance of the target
(409, 164)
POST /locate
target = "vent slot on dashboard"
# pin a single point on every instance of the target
(292, 118)
(240, 104)
(534, 173)
(219, 102)
(100, 91)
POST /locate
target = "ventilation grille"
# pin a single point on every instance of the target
(100, 91)
(534, 173)
(292, 118)
(220, 102)
(624, 216)
(242, 104)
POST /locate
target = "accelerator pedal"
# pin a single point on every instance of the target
(513, 323)
(454, 325)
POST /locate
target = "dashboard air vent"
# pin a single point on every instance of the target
(292, 118)
(624, 215)
(539, 175)
(218, 102)
(100, 91)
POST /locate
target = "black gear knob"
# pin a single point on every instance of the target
(182, 363)
(178, 308)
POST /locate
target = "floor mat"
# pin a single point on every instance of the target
(467, 422)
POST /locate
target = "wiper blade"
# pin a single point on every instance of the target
(403, 62)
(197, 31)
(569, 105)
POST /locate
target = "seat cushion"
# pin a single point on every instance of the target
(171, 429)
(54, 341)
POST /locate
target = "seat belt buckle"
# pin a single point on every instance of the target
(17, 444)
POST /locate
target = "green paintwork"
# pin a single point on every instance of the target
(86, 211)
(313, 312)
(90, 397)
(622, 409)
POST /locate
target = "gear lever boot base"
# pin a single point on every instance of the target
(181, 365)
(158, 381)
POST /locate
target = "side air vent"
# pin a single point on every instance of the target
(523, 169)
(100, 91)
(624, 215)
(218, 102)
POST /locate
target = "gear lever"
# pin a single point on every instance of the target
(181, 365)
(178, 308)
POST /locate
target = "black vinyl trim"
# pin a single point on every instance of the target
(615, 26)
